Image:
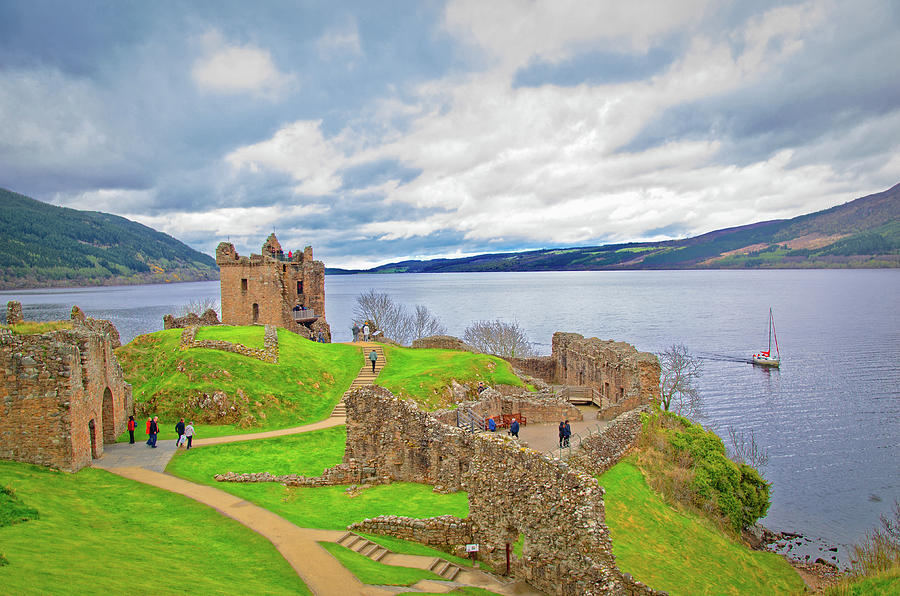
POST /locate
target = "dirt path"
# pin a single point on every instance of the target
(319, 570)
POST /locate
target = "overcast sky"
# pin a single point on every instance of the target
(377, 131)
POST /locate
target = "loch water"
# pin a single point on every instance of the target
(829, 417)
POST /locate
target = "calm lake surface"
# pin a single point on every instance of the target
(829, 418)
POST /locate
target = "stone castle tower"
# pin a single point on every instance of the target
(265, 289)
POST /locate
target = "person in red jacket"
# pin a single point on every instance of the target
(131, 429)
(149, 421)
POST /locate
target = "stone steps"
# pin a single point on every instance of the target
(444, 568)
(364, 378)
(363, 546)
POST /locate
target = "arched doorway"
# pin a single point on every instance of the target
(108, 417)
(92, 431)
(255, 313)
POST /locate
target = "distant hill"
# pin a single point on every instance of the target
(864, 233)
(43, 245)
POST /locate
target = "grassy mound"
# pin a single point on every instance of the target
(327, 507)
(682, 552)
(250, 336)
(35, 327)
(425, 375)
(226, 393)
(99, 533)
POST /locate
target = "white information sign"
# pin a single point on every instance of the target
(471, 548)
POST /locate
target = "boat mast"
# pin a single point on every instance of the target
(770, 331)
(777, 351)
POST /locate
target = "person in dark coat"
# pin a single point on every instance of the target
(562, 433)
(567, 431)
(373, 356)
(131, 426)
(355, 332)
(514, 428)
(179, 430)
(154, 430)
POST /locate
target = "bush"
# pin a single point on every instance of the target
(689, 464)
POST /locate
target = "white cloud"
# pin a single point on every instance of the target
(236, 69)
(300, 150)
(339, 43)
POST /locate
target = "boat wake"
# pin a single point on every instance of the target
(723, 358)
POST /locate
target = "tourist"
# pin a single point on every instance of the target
(320, 338)
(149, 422)
(296, 308)
(154, 430)
(373, 356)
(492, 426)
(562, 433)
(131, 426)
(481, 387)
(514, 428)
(179, 430)
(366, 331)
(189, 433)
(568, 433)
(355, 331)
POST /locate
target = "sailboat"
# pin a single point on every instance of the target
(765, 358)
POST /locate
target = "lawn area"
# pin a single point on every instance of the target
(327, 507)
(406, 547)
(372, 572)
(884, 583)
(249, 335)
(99, 533)
(303, 387)
(424, 375)
(683, 553)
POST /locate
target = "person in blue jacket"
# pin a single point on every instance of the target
(492, 426)
(514, 428)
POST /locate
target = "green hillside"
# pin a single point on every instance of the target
(861, 233)
(45, 245)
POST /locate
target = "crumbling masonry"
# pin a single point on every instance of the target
(62, 393)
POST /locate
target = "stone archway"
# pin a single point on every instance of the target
(108, 417)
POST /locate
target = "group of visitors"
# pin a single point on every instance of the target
(184, 431)
(361, 333)
(565, 431)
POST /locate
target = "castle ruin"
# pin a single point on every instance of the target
(62, 393)
(273, 289)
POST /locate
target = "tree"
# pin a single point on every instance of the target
(394, 319)
(745, 449)
(198, 306)
(497, 337)
(425, 324)
(679, 371)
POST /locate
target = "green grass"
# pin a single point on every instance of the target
(35, 328)
(303, 387)
(425, 375)
(683, 553)
(327, 507)
(251, 336)
(883, 583)
(100, 533)
(375, 573)
(12, 509)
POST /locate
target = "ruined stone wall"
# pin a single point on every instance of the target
(541, 367)
(441, 531)
(599, 453)
(269, 353)
(442, 342)
(512, 491)
(207, 319)
(535, 408)
(62, 396)
(262, 289)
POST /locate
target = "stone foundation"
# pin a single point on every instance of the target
(14, 313)
(442, 342)
(269, 353)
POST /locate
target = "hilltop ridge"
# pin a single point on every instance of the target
(44, 245)
(863, 233)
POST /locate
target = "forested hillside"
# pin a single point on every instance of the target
(861, 233)
(45, 245)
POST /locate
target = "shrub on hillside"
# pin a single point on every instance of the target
(689, 464)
